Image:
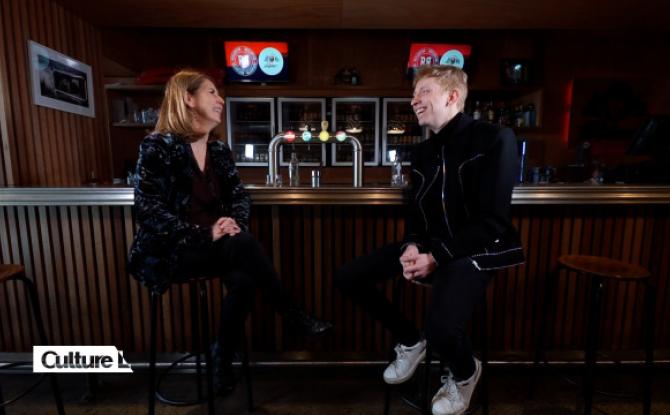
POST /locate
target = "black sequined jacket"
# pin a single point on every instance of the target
(163, 186)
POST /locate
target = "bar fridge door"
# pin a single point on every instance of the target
(251, 126)
(294, 115)
(358, 117)
(400, 130)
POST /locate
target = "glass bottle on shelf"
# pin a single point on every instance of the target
(490, 112)
(504, 115)
(477, 113)
(396, 169)
(519, 120)
(532, 119)
(293, 171)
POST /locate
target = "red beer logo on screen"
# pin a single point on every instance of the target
(421, 54)
(246, 57)
(424, 56)
(243, 60)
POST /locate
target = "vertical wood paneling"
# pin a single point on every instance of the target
(42, 146)
(76, 255)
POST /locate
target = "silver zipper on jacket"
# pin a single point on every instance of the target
(444, 180)
(460, 180)
(423, 181)
(423, 213)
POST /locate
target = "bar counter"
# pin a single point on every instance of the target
(554, 194)
(74, 241)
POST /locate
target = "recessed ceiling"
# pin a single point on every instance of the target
(377, 14)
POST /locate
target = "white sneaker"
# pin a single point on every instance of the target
(406, 362)
(453, 398)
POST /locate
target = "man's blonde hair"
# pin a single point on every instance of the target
(449, 78)
(175, 116)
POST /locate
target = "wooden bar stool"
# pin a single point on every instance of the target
(600, 270)
(13, 272)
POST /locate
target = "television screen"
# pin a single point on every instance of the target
(421, 54)
(256, 61)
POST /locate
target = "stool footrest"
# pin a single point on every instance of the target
(26, 391)
(175, 402)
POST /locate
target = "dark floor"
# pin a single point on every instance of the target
(312, 390)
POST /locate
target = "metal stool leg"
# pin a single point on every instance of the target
(247, 372)
(154, 298)
(398, 291)
(548, 304)
(2, 399)
(387, 399)
(429, 357)
(425, 407)
(204, 310)
(34, 302)
(649, 305)
(592, 343)
(485, 357)
(198, 347)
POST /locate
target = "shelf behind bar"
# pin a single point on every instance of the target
(345, 195)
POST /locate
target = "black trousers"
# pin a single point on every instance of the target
(244, 267)
(457, 288)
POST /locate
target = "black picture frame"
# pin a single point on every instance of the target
(516, 72)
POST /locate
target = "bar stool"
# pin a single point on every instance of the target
(13, 272)
(200, 324)
(398, 292)
(600, 270)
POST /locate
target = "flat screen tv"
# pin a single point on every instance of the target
(256, 61)
(422, 54)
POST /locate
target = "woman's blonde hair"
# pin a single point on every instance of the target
(449, 77)
(175, 116)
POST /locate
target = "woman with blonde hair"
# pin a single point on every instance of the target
(193, 216)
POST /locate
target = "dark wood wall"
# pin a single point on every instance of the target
(562, 61)
(76, 256)
(48, 147)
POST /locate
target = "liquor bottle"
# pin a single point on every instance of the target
(532, 118)
(477, 113)
(396, 170)
(293, 172)
(519, 120)
(504, 116)
(490, 113)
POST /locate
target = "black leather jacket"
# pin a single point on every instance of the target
(462, 181)
(163, 186)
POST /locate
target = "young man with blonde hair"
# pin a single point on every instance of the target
(458, 233)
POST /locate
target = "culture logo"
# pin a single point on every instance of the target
(79, 359)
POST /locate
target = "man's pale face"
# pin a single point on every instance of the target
(431, 104)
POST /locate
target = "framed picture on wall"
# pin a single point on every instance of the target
(516, 72)
(60, 82)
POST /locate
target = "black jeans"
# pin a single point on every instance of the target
(243, 265)
(457, 288)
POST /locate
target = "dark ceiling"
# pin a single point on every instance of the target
(377, 14)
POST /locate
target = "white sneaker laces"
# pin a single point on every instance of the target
(401, 354)
(449, 388)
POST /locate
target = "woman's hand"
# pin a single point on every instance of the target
(224, 226)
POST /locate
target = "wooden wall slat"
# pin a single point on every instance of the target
(5, 162)
(42, 146)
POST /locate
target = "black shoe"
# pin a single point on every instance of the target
(306, 324)
(224, 377)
